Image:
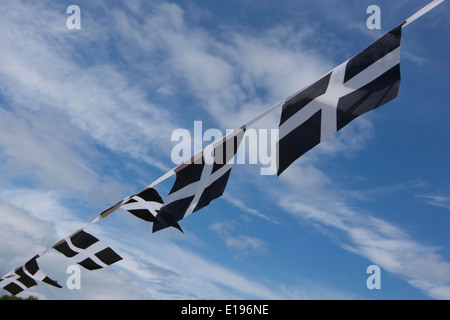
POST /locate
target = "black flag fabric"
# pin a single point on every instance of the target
(146, 205)
(24, 277)
(87, 251)
(361, 84)
(199, 181)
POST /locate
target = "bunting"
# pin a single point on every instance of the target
(361, 84)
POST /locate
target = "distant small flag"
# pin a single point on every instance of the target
(361, 84)
(87, 251)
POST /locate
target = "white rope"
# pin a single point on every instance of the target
(422, 11)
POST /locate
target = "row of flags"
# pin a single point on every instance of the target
(81, 247)
(359, 85)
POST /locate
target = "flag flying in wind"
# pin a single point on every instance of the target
(199, 181)
(87, 251)
(145, 205)
(363, 83)
(24, 277)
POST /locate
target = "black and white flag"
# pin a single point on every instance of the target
(87, 251)
(145, 205)
(24, 277)
(361, 84)
(199, 181)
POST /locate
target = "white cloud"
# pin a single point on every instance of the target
(240, 244)
(22, 236)
(246, 243)
(47, 206)
(31, 147)
(51, 71)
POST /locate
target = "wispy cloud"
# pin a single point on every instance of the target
(46, 148)
(241, 205)
(40, 72)
(378, 240)
(223, 75)
(437, 200)
(246, 243)
(22, 235)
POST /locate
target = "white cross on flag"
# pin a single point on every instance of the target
(361, 84)
(197, 184)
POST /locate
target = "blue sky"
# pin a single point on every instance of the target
(86, 118)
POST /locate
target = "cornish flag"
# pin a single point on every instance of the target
(87, 251)
(24, 277)
(199, 181)
(145, 205)
(361, 84)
